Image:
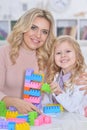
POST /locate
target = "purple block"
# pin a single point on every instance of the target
(12, 108)
(29, 71)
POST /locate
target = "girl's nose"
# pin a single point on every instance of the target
(62, 54)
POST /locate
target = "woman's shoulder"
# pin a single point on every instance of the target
(4, 48)
(4, 51)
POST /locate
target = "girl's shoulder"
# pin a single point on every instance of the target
(56, 76)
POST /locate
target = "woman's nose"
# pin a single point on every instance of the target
(38, 33)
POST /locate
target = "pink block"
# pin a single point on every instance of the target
(34, 99)
(35, 85)
(85, 111)
(26, 84)
(47, 120)
(36, 122)
(16, 120)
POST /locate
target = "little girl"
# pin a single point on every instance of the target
(65, 64)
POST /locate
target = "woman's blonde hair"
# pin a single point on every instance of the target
(79, 65)
(23, 25)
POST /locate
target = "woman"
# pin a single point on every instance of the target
(29, 46)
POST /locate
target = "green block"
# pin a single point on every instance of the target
(3, 109)
(46, 88)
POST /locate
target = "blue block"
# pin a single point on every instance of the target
(34, 92)
(51, 109)
(11, 126)
(23, 117)
(36, 77)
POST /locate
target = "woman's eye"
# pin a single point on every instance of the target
(45, 32)
(33, 27)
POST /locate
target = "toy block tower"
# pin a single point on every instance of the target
(32, 87)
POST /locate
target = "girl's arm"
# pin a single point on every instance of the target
(71, 101)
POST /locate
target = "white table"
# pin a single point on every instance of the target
(64, 121)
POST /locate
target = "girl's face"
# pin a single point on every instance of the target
(65, 56)
(37, 35)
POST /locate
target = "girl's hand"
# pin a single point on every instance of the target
(55, 88)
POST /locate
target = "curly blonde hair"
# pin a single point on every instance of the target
(79, 67)
(23, 25)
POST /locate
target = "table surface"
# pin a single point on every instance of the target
(64, 121)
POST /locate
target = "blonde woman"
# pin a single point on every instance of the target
(29, 46)
(66, 63)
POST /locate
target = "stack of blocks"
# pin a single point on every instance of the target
(32, 87)
(32, 91)
(11, 120)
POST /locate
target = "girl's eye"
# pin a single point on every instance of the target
(58, 53)
(68, 51)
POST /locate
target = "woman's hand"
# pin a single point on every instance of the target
(82, 80)
(85, 89)
(21, 105)
(55, 88)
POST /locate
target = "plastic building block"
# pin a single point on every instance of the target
(61, 107)
(26, 117)
(29, 72)
(26, 96)
(42, 119)
(51, 109)
(3, 109)
(33, 92)
(12, 108)
(33, 99)
(32, 116)
(47, 119)
(23, 126)
(3, 124)
(11, 126)
(16, 120)
(26, 88)
(34, 77)
(11, 114)
(39, 105)
(34, 85)
(46, 88)
(85, 111)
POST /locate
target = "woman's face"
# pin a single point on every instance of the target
(37, 35)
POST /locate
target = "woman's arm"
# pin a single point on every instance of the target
(21, 105)
(82, 80)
